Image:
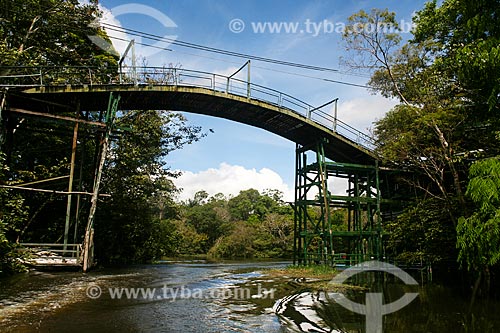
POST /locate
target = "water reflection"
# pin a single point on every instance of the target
(436, 309)
(58, 302)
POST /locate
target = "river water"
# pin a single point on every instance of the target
(200, 296)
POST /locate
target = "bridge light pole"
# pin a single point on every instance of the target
(325, 115)
(131, 45)
(335, 115)
(248, 78)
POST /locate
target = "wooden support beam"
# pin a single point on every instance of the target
(49, 191)
(42, 181)
(71, 175)
(48, 115)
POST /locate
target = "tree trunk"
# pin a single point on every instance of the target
(475, 290)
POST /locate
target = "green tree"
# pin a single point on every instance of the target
(420, 131)
(188, 240)
(251, 224)
(128, 227)
(13, 213)
(446, 79)
(251, 203)
(274, 238)
(422, 233)
(208, 216)
(51, 33)
(478, 236)
(238, 244)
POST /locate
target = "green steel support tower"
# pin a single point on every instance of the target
(316, 240)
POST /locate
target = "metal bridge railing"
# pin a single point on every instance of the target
(50, 250)
(74, 75)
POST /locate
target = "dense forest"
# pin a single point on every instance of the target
(445, 129)
(140, 220)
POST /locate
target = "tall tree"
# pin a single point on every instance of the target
(420, 131)
(136, 176)
(446, 79)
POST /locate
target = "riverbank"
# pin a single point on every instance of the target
(318, 272)
(314, 278)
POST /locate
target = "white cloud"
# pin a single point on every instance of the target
(226, 71)
(121, 39)
(337, 186)
(360, 113)
(230, 180)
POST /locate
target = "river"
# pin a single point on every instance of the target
(201, 296)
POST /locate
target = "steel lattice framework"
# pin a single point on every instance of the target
(316, 239)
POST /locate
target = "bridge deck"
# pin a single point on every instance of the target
(262, 114)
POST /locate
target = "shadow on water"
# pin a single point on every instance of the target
(436, 309)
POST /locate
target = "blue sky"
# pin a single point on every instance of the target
(237, 156)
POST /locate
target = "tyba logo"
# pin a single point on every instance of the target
(120, 34)
(374, 309)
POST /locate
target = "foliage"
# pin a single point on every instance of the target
(250, 203)
(239, 243)
(208, 217)
(187, 240)
(422, 233)
(131, 226)
(275, 235)
(478, 236)
(13, 213)
(251, 224)
(50, 33)
(446, 80)
(371, 38)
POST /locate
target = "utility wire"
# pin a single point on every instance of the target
(234, 62)
(229, 53)
(212, 49)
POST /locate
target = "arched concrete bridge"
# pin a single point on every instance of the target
(208, 94)
(50, 91)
